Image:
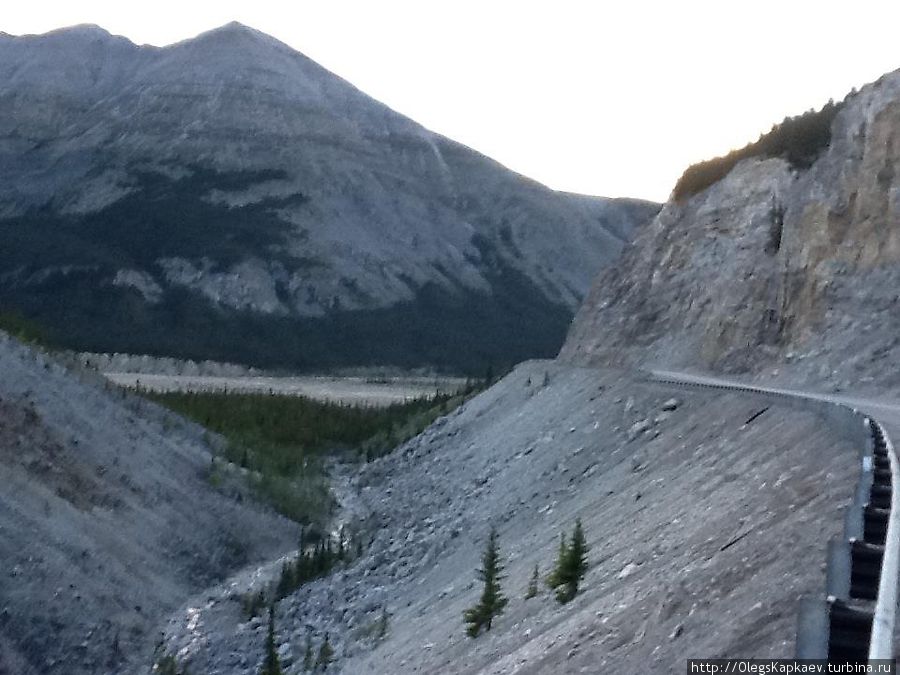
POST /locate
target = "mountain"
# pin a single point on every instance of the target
(227, 198)
(781, 263)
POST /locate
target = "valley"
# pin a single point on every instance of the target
(290, 383)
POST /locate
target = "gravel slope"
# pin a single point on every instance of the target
(107, 521)
(705, 531)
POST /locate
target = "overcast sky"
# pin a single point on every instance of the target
(610, 98)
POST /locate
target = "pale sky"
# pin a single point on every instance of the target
(608, 98)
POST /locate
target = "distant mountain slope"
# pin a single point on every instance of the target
(775, 265)
(228, 198)
(109, 521)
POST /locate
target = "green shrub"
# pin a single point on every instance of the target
(799, 140)
(23, 329)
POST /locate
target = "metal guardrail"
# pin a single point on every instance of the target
(854, 621)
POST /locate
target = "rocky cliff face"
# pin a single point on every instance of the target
(769, 265)
(226, 197)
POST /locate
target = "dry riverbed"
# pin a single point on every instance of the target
(351, 390)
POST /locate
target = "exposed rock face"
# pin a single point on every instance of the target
(769, 263)
(229, 175)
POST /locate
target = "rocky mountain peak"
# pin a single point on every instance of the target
(236, 36)
(232, 173)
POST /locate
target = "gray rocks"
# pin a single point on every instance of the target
(652, 557)
(638, 428)
(671, 404)
(121, 517)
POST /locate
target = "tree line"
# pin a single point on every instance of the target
(799, 140)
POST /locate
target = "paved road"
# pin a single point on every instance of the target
(886, 411)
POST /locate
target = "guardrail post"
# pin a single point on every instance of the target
(812, 629)
(865, 565)
(837, 569)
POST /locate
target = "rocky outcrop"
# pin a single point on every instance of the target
(230, 180)
(769, 265)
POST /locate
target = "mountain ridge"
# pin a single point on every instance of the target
(339, 204)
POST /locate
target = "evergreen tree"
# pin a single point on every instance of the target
(271, 665)
(253, 603)
(578, 551)
(573, 565)
(285, 581)
(532, 589)
(326, 654)
(492, 600)
(554, 579)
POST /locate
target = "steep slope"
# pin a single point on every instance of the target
(108, 520)
(770, 266)
(228, 198)
(681, 503)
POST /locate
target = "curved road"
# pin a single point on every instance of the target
(886, 411)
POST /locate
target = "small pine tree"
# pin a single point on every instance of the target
(326, 654)
(573, 565)
(167, 665)
(578, 551)
(271, 666)
(532, 589)
(285, 581)
(492, 601)
(554, 579)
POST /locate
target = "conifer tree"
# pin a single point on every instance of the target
(554, 579)
(573, 565)
(492, 600)
(271, 665)
(326, 654)
(532, 589)
(285, 581)
(578, 551)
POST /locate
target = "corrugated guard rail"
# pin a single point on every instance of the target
(853, 620)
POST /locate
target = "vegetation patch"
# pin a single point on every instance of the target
(799, 140)
(452, 330)
(283, 440)
(22, 328)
